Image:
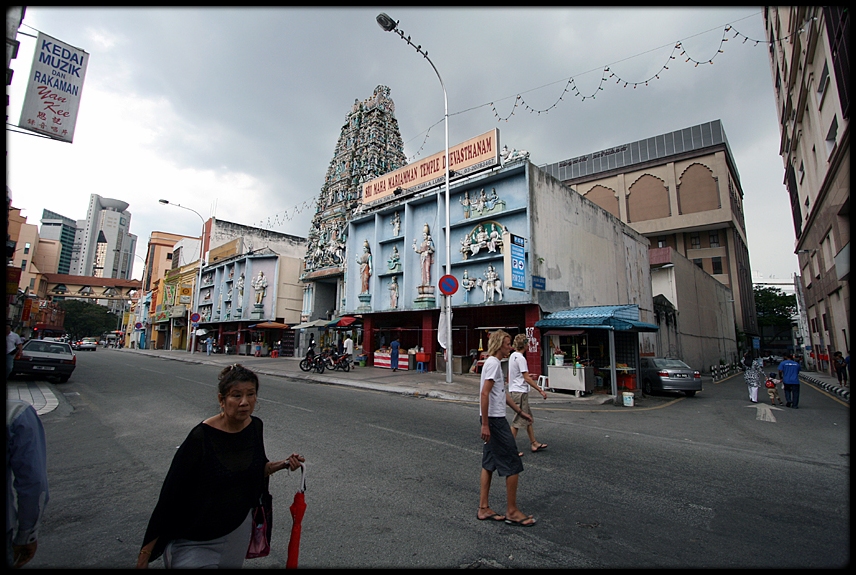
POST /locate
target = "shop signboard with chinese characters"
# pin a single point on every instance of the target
(515, 261)
(54, 88)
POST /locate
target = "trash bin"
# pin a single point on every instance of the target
(411, 361)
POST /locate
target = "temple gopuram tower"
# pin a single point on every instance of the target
(369, 145)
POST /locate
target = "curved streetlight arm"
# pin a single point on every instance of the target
(390, 25)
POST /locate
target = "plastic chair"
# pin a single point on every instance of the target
(420, 367)
(542, 382)
(274, 353)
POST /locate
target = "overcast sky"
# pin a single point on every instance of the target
(236, 112)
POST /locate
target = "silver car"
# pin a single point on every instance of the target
(668, 374)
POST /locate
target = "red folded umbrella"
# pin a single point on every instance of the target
(298, 508)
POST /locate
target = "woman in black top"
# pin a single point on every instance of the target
(203, 515)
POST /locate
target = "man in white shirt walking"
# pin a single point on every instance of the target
(519, 382)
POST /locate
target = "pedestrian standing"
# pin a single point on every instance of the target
(14, 343)
(209, 344)
(499, 452)
(204, 513)
(395, 346)
(519, 382)
(27, 492)
(349, 347)
(754, 376)
(840, 367)
(789, 373)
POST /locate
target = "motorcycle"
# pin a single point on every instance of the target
(336, 361)
(308, 362)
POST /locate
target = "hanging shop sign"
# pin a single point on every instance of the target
(53, 89)
(479, 153)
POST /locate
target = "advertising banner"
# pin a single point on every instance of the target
(53, 89)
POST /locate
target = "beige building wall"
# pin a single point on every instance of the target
(810, 71)
(690, 201)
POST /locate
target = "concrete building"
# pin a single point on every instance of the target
(103, 244)
(523, 246)
(63, 229)
(809, 49)
(694, 311)
(680, 190)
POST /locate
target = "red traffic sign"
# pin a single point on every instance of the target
(195, 317)
(448, 284)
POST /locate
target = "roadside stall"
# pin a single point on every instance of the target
(590, 347)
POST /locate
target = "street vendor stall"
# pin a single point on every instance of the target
(602, 341)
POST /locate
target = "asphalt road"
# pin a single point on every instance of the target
(709, 481)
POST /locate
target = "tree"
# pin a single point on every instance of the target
(83, 319)
(775, 310)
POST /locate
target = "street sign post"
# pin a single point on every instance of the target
(448, 285)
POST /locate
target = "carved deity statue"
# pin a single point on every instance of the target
(365, 262)
(260, 285)
(426, 254)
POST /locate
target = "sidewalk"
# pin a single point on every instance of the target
(433, 384)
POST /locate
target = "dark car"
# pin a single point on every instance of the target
(668, 374)
(48, 359)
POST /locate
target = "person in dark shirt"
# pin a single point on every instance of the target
(204, 513)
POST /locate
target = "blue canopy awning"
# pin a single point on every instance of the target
(617, 317)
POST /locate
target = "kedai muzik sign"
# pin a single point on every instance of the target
(53, 89)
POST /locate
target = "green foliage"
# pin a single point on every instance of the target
(84, 319)
(773, 306)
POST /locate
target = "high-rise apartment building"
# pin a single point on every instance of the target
(809, 48)
(63, 229)
(103, 245)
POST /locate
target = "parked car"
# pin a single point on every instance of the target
(50, 359)
(668, 374)
(88, 344)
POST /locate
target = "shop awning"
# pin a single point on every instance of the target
(344, 321)
(617, 317)
(268, 325)
(315, 323)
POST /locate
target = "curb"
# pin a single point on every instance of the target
(842, 392)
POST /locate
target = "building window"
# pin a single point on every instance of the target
(661, 242)
(822, 84)
(695, 241)
(717, 265)
(32, 283)
(714, 239)
(697, 262)
(26, 248)
(831, 136)
(825, 325)
(23, 265)
(802, 171)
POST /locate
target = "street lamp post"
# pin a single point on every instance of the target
(390, 25)
(198, 274)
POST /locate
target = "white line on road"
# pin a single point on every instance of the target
(445, 444)
(765, 412)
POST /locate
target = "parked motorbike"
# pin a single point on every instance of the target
(336, 361)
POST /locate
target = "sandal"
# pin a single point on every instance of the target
(540, 447)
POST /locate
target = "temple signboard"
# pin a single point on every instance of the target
(477, 154)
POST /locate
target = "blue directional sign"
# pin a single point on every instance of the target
(518, 263)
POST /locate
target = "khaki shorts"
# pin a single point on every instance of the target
(521, 398)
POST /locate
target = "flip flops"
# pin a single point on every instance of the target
(527, 521)
(541, 446)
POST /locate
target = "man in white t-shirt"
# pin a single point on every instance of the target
(14, 343)
(499, 452)
(519, 382)
(349, 347)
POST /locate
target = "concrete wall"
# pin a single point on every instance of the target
(581, 248)
(705, 313)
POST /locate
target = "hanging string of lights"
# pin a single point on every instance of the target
(570, 85)
(570, 88)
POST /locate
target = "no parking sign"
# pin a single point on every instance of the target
(448, 284)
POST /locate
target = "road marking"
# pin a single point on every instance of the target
(445, 444)
(765, 412)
